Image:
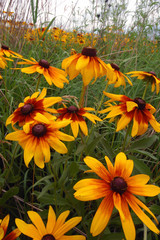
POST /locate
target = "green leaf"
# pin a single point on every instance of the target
(46, 30)
(9, 194)
(143, 143)
(140, 165)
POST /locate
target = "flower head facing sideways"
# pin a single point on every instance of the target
(52, 75)
(131, 109)
(118, 189)
(87, 63)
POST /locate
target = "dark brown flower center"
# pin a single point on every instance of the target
(27, 108)
(44, 63)
(153, 73)
(118, 185)
(5, 47)
(141, 103)
(72, 109)
(88, 51)
(39, 130)
(48, 237)
(115, 66)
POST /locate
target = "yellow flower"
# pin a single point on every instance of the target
(3, 229)
(87, 63)
(116, 77)
(37, 138)
(51, 74)
(77, 116)
(35, 107)
(118, 189)
(147, 77)
(9, 53)
(132, 109)
(54, 229)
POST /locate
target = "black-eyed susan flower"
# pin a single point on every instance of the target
(55, 229)
(87, 63)
(37, 138)
(9, 53)
(149, 77)
(116, 77)
(3, 230)
(33, 108)
(118, 189)
(77, 116)
(51, 74)
(131, 109)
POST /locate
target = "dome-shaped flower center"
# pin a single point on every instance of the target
(39, 130)
(115, 66)
(72, 109)
(26, 109)
(153, 73)
(44, 63)
(88, 51)
(48, 237)
(5, 47)
(118, 185)
(141, 103)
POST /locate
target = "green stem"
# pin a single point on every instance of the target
(102, 98)
(125, 139)
(145, 232)
(38, 82)
(145, 90)
(81, 101)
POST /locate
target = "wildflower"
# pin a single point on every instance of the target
(132, 109)
(87, 63)
(149, 77)
(37, 138)
(51, 74)
(3, 229)
(33, 108)
(116, 77)
(54, 229)
(117, 188)
(77, 116)
(9, 53)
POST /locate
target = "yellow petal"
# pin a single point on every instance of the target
(120, 164)
(131, 105)
(91, 189)
(97, 167)
(57, 145)
(144, 218)
(139, 179)
(123, 122)
(127, 222)
(102, 216)
(66, 227)
(37, 221)
(29, 70)
(75, 128)
(82, 62)
(83, 127)
(51, 220)
(61, 219)
(45, 149)
(28, 229)
(39, 157)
